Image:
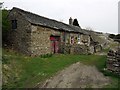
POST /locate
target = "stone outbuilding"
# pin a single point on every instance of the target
(36, 35)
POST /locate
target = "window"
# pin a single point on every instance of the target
(64, 36)
(72, 40)
(14, 24)
(78, 39)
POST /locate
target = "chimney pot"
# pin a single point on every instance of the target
(70, 21)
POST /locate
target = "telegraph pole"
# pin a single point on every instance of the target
(119, 33)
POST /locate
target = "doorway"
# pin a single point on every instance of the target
(55, 44)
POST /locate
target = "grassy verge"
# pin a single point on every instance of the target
(22, 71)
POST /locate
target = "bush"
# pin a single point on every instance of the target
(117, 36)
(112, 36)
(4, 60)
(46, 55)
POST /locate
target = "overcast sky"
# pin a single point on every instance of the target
(100, 15)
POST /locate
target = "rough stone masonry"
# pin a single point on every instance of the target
(113, 62)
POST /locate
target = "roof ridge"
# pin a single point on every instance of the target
(38, 15)
(44, 21)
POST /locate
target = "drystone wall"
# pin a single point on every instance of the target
(74, 49)
(113, 62)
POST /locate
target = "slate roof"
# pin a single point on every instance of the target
(43, 21)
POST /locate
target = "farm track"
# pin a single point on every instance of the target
(77, 75)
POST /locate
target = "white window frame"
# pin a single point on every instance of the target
(79, 39)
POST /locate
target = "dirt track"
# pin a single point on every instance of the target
(77, 75)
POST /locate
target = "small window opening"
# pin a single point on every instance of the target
(14, 24)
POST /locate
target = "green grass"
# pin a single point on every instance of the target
(26, 71)
(106, 50)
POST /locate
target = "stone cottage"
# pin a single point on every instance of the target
(35, 35)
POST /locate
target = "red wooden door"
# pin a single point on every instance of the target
(55, 44)
(52, 46)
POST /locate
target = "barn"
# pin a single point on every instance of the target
(36, 35)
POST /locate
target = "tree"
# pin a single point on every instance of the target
(89, 28)
(5, 21)
(75, 23)
(117, 36)
(112, 36)
(5, 24)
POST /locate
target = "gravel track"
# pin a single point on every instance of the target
(77, 75)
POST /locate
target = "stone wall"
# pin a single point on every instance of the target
(20, 38)
(79, 49)
(85, 40)
(113, 62)
(40, 40)
(74, 49)
(41, 44)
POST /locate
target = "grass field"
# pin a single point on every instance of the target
(22, 71)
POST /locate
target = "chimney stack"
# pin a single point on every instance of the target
(70, 21)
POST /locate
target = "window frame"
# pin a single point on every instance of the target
(14, 24)
(79, 39)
